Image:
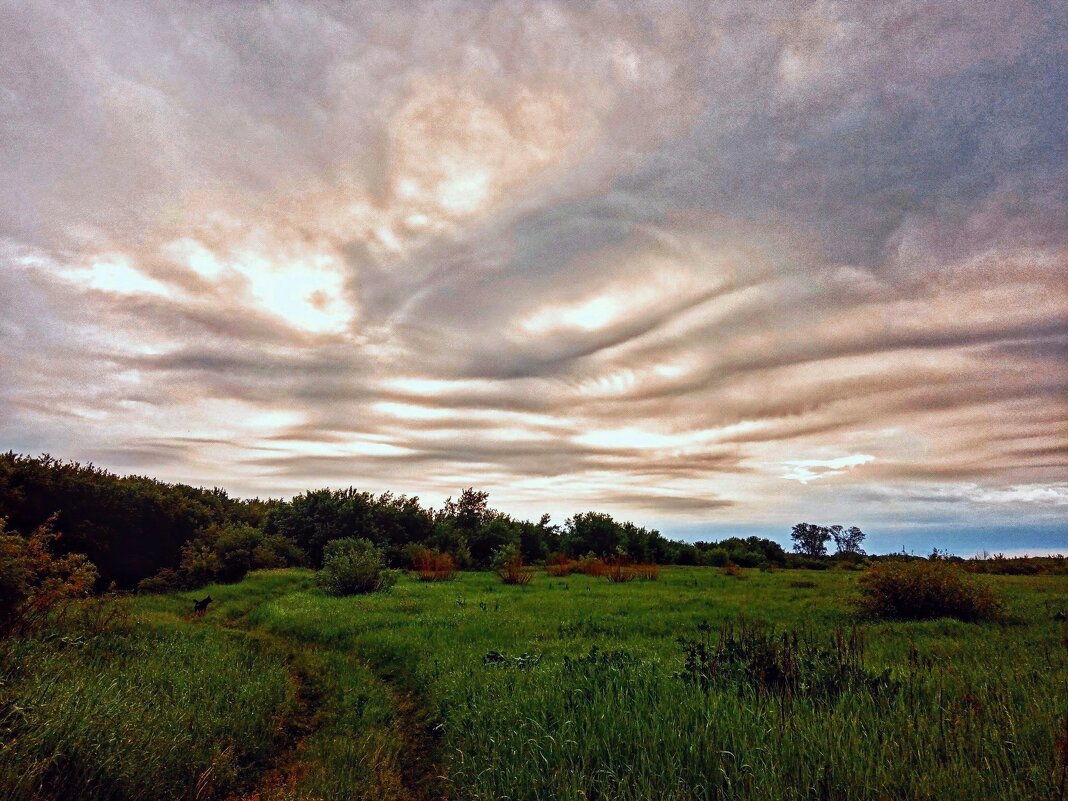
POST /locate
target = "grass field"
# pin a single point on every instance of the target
(567, 688)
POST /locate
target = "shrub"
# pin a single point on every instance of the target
(590, 565)
(748, 558)
(509, 566)
(558, 565)
(433, 566)
(798, 562)
(275, 551)
(922, 590)
(648, 572)
(847, 560)
(199, 564)
(234, 545)
(716, 557)
(731, 569)
(618, 571)
(36, 585)
(164, 581)
(749, 655)
(352, 566)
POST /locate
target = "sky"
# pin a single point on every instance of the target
(714, 268)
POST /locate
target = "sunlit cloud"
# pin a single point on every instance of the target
(113, 273)
(679, 262)
(805, 470)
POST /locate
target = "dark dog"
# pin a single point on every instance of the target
(200, 607)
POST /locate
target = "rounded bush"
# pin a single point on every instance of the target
(353, 566)
(923, 590)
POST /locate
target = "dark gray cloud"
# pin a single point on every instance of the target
(685, 261)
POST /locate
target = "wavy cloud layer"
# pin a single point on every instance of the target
(747, 262)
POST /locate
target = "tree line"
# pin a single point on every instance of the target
(136, 529)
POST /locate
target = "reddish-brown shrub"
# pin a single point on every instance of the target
(648, 572)
(434, 566)
(618, 571)
(731, 569)
(559, 565)
(510, 567)
(36, 585)
(591, 566)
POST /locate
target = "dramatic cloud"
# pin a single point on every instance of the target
(734, 263)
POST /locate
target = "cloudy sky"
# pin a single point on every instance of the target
(713, 268)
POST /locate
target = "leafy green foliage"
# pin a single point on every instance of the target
(130, 527)
(508, 562)
(353, 566)
(750, 656)
(848, 540)
(171, 535)
(810, 540)
(314, 518)
(36, 583)
(919, 589)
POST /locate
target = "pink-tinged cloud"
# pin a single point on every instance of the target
(748, 262)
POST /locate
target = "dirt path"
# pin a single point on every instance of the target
(414, 775)
(420, 770)
(283, 772)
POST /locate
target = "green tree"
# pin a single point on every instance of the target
(592, 532)
(848, 540)
(810, 539)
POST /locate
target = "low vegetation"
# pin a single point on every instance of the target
(37, 585)
(160, 712)
(510, 568)
(473, 689)
(433, 566)
(353, 566)
(924, 590)
(752, 657)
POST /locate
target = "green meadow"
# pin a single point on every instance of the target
(571, 688)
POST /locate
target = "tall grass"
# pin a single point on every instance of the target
(577, 687)
(157, 713)
(961, 711)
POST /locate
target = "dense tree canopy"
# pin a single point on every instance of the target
(128, 526)
(133, 528)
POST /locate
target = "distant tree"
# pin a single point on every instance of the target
(127, 526)
(470, 511)
(234, 545)
(314, 518)
(848, 540)
(489, 538)
(538, 540)
(199, 563)
(643, 545)
(592, 532)
(810, 539)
